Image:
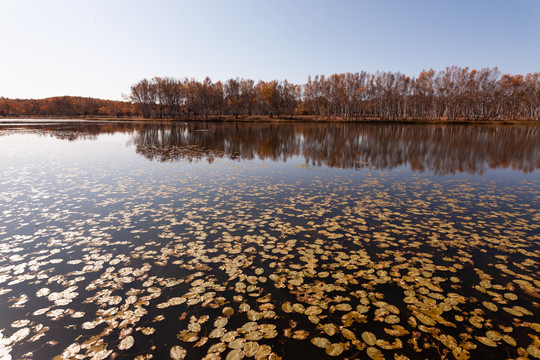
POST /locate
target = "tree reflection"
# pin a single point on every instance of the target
(68, 129)
(442, 149)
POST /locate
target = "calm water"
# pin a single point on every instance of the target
(138, 240)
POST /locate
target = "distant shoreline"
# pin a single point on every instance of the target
(281, 119)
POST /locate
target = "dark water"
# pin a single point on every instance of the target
(140, 240)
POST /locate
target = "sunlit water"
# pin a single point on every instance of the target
(262, 240)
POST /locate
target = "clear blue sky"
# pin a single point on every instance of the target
(100, 48)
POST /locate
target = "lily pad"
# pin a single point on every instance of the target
(369, 338)
(334, 349)
(486, 341)
(374, 353)
(178, 353)
(126, 343)
(320, 342)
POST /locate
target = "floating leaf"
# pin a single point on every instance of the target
(299, 308)
(254, 335)
(221, 322)
(369, 338)
(194, 327)
(202, 341)
(320, 342)
(374, 353)
(300, 334)
(494, 335)
(397, 330)
(534, 351)
(228, 311)
(334, 349)
(475, 321)
(148, 330)
(513, 311)
(178, 353)
(490, 306)
(287, 307)
(20, 323)
(461, 353)
(330, 329)
(425, 319)
(486, 341)
(229, 336)
(237, 343)
(250, 348)
(343, 307)
(217, 333)
(43, 292)
(236, 354)
(509, 340)
(313, 310)
(176, 301)
(383, 344)
(218, 348)
(126, 343)
(263, 352)
(391, 319)
(448, 341)
(348, 334)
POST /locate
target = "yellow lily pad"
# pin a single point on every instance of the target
(509, 340)
(369, 338)
(236, 354)
(374, 353)
(320, 342)
(489, 305)
(486, 341)
(334, 349)
(534, 351)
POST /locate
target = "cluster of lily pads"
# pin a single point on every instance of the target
(233, 260)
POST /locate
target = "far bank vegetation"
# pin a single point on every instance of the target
(452, 94)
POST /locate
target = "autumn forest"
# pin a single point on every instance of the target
(453, 94)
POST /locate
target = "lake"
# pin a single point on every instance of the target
(294, 241)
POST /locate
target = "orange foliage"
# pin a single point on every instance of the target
(66, 106)
(454, 93)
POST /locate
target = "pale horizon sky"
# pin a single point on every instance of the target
(100, 48)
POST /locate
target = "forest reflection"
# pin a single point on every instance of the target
(442, 149)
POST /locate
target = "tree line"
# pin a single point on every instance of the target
(166, 97)
(66, 106)
(452, 94)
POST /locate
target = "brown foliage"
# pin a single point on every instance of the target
(452, 94)
(65, 106)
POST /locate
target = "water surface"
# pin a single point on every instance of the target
(268, 240)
